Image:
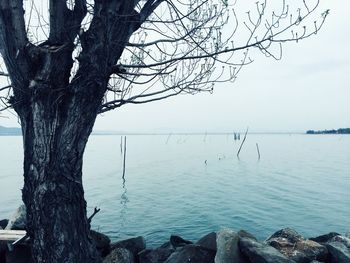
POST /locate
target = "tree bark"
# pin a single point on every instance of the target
(57, 114)
(55, 134)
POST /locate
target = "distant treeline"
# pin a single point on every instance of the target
(339, 131)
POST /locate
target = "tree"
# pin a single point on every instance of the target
(94, 56)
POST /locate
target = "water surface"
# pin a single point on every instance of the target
(194, 184)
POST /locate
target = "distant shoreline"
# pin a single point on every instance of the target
(13, 131)
(339, 131)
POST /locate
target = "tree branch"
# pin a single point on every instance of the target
(13, 39)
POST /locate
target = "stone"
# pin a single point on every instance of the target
(341, 239)
(177, 241)
(208, 241)
(134, 245)
(227, 247)
(243, 233)
(295, 247)
(119, 255)
(192, 253)
(18, 220)
(167, 245)
(102, 242)
(338, 252)
(324, 238)
(258, 252)
(288, 234)
(3, 223)
(158, 255)
(20, 254)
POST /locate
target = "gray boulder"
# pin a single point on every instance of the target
(258, 252)
(18, 220)
(192, 253)
(342, 239)
(134, 245)
(227, 247)
(339, 253)
(324, 238)
(177, 241)
(119, 255)
(208, 241)
(243, 233)
(3, 223)
(294, 246)
(339, 249)
(158, 255)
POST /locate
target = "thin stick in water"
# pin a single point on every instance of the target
(240, 148)
(205, 136)
(257, 148)
(121, 144)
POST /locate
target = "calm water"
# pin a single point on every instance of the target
(301, 181)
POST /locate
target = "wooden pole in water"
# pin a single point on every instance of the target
(257, 148)
(205, 137)
(240, 148)
(121, 144)
(124, 157)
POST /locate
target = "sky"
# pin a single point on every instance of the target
(307, 89)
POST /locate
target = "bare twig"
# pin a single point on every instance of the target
(96, 210)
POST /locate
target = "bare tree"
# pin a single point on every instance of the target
(67, 61)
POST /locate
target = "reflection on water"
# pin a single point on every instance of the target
(124, 203)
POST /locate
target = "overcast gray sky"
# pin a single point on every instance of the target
(307, 89)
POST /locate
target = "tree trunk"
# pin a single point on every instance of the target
(55, 134)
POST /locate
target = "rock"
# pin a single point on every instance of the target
(324, 238)
(177, 241)
(288, 234)
(134, 245)
(227, 247)
(258, 252)
(294, 246)
(18, 220)
(243, 233)
(208, 241)
(158, 255)
(341, 239)
(167, 245)
(20, 254)
(102, 242)
(339, 252)
(3, 223)
(192, 253)
(339, 249)
(119, 255)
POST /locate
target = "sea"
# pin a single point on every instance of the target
(193, 184)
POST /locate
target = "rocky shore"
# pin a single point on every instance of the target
(224, 246)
